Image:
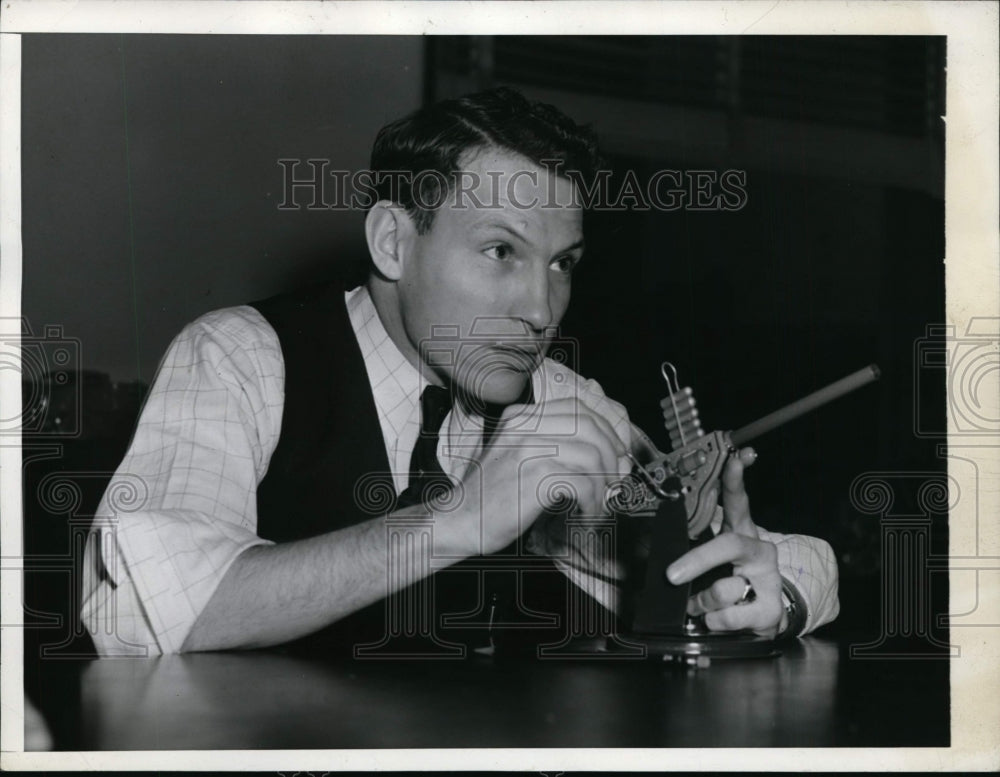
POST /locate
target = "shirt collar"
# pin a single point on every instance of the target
(396, 383)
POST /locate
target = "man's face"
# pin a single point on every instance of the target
(482, 291)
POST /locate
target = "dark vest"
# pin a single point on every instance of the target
(329, 470)
(330, 434)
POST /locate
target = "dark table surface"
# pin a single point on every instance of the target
(814, 695)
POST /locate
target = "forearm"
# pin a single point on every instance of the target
(276, 593)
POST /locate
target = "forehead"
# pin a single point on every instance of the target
(494, 179)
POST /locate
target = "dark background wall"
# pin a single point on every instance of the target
(151, 191)
(152, 180)
(834, 261)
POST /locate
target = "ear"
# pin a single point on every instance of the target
(387, 228)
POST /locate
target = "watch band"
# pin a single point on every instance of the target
(795, 610)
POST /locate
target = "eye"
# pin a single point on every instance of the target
(501, 252)
(565, 264)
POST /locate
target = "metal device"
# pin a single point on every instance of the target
(672, 494)
(696, 459)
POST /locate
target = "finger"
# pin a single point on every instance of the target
(725, 548)
(735, 502)
(570, 416)
(533, 421)
(721, 594)
(593, 491)
(747, 457)
(589, 454)
(604, 425)
(761, 618)
(576, 479)
(732, 476)
(516, 417)
(614, 450)
(545, 408)
(584, 439)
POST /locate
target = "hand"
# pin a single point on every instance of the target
(565, 442)
(752, 558)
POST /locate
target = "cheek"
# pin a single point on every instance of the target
(559, 295)
(444, 293)
(444, 273)
(466, 289)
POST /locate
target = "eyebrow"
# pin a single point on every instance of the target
(572, 247)
(483, 226)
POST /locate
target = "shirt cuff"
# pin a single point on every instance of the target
(176, 560)
(808, 569)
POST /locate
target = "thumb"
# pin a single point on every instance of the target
(735, 502)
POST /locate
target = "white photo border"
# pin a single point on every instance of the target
(972, 202)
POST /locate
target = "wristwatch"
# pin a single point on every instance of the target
(795, 610)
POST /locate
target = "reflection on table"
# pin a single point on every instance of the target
(812, 695)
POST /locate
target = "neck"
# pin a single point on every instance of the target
(385, 297)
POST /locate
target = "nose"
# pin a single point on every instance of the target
(535, 307)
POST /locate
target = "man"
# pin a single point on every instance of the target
(273, 432)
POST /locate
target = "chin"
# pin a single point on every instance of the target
(498, 386)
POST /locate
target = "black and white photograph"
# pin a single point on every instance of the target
(520, 386)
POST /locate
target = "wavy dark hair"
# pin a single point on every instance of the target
(427, 145)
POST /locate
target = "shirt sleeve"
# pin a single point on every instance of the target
(809, 567)
(182, 505)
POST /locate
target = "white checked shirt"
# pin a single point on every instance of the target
(182, 505)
